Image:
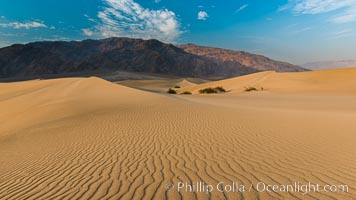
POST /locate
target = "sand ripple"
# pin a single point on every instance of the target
(141, 142)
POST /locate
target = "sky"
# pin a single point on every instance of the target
(296, 31)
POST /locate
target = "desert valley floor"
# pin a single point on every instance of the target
(86, 138)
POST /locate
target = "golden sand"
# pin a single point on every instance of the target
(85, 138)
(329, 82)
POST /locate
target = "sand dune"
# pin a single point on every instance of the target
(334, 82)
(85, 138)
(162, 85)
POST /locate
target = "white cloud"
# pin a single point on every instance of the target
(348, 16)
(25, 25)
(52, 38)
(126, 18)
(243, 7)
(342, 34)
(87, 32)
(346, 8)
(202, 15)
(301, 30)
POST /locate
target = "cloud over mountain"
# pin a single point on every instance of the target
(202, 15)
(346, 8)
(127, 18)
(25, 25)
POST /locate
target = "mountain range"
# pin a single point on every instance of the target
(330, 64)
(95, 57)
(252, 61)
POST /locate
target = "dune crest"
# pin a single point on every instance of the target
(186, 83)
(27, 103)
(332, 82)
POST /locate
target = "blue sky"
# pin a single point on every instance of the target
(297, 31)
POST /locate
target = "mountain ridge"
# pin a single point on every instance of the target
(92, 57)
(254, 61)
(330, 64)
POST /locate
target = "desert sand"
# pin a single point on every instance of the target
(162, 85)
(86, 138)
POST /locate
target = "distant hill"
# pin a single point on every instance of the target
(330, 64)
(95, 57)
(253, 61)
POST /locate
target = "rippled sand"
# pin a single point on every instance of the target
(85, 138)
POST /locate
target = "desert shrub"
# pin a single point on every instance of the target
(177, 86)
(249, 89)
(171, 91)
(220, 89)
(208, 91)
(211, 90)
(186, 92)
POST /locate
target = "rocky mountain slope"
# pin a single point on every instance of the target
(253, 61)
(94, 57)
